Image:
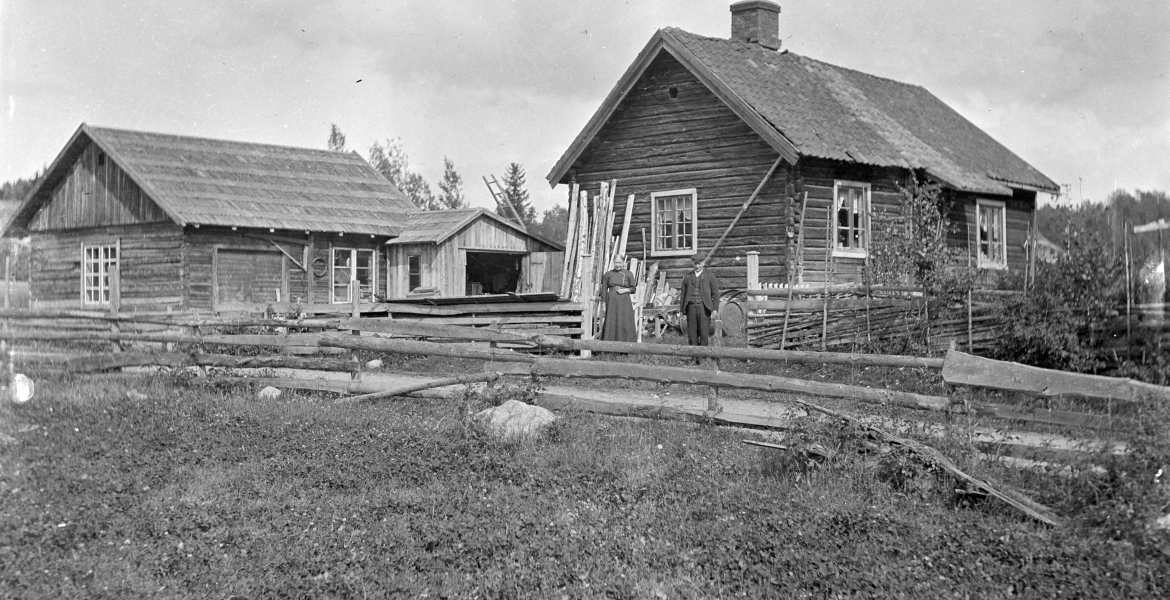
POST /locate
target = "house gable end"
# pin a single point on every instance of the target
(664, 44)
(92, 190)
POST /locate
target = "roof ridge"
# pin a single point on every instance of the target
(177, 136)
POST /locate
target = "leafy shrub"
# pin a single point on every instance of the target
(1060, 322)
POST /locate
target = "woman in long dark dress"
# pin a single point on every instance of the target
(617, 284)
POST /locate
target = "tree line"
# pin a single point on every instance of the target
(392, 161)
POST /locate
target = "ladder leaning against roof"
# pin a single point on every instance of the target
(502, 199)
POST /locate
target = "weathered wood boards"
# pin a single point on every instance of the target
(396, 346)
(964, 369)
(608, 370)
(426, 385)
(837, 358)
(106, 362)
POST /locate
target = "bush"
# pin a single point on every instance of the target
(1061, 322)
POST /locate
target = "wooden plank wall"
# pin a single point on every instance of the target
(151, 267)
(94, 194)
(659, 141)
(444, 266)
(429, 261)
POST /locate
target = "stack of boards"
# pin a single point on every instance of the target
(590, 247)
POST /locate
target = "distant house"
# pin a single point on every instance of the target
(150, 222)
(696, 123)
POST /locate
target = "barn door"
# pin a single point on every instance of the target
(246, 278)
(542, 272)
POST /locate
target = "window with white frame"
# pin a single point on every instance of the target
(98, 263)
(991, 233)
(350, 264)
(850, 220)
(674, 215)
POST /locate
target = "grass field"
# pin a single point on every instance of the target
(205, 492)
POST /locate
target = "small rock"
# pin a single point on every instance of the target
(514, 419)
(136, 395)
(374, 364)
(1162, 522)
(22, 388)
(268, 393)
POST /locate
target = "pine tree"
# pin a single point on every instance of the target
(336, 138)
(451, 187)
(393, 163)
(514, 191)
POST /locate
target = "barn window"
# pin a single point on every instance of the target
(413, 272)
(674, 217)
(350, 264)
(98, 262)
(991, 233)
(850, 222)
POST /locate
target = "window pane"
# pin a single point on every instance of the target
(414, 272)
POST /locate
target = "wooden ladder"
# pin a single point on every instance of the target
(502, 199)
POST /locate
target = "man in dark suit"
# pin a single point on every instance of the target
(699, 298)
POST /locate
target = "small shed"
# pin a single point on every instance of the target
(135, 221)
(470, 252)
(697, 125)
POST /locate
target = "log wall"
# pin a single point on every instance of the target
(659, 141)
(818, 177)
(151, 268)
(200, 247)
(1021, 208)
(95, 192)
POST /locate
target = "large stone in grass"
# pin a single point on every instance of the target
(268, 393)
(514, 420)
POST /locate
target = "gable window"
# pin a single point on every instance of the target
(991, 233)
(674, 215)
(850, 222)
(413, 272)
(98, 263)
(350, 264)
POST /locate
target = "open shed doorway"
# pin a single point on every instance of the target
(493, 273)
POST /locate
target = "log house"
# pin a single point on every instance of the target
(695, 123)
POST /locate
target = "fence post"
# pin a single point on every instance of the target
(753, 270)
(588, 288)
(116, 299)
(355, 291)
(713, 396)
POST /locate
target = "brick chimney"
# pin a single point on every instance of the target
(756, 21)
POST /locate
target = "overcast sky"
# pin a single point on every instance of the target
(1078, 88)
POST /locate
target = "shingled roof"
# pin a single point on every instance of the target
(199, 181)
(437, 226)
(804, 107)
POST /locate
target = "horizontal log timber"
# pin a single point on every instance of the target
(555, 367)
(106, 362)
(276, 340)
(834, 304)
(422, 329)
(837, 358)
(555, 401)
(964, 369)
(399, 346)
(426, 385)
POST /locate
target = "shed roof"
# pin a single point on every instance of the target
(199, 181)
(437, 226)
(805, 107)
